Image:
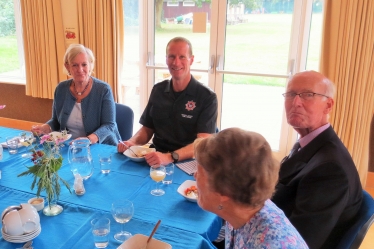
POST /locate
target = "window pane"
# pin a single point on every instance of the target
(129, 87)
(315, 38)
(182, 26)
(8, 54)
(254, 107)
(257, 42)
(11, 51)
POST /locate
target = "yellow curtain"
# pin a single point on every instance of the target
(101, 28)
(44, 46)
(347, 59)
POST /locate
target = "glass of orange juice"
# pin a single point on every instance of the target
(157, 174)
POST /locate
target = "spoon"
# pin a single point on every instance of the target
(153, 232)
(27, 245)
(128, 148)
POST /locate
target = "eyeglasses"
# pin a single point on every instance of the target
(303, 96)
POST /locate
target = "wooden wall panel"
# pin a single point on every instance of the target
(22, 107)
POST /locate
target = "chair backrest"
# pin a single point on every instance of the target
(353, 238)
(125, 121)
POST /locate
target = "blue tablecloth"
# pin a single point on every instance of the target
(184, 224)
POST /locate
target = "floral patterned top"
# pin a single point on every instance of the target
(269, 228)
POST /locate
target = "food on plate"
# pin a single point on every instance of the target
(142, 153)
(138, 153)
(191, 192)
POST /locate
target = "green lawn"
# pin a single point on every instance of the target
(8, 54)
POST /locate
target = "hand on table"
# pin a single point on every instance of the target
(41, 129)
(158, 158)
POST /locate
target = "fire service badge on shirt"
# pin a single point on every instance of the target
(190, 105)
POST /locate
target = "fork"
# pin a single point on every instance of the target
(128, 148)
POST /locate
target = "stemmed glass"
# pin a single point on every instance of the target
(122, 212)
(157, 174)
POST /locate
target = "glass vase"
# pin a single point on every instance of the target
(52, 209)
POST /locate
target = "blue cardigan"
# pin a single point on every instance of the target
(98, 111)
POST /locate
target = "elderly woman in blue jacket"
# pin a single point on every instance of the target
(83, 105)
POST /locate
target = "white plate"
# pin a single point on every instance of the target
(187, 184)
(22, 238)
(139, 240)
(139, 150)
(57, 134)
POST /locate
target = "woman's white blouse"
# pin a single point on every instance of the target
(75, 122)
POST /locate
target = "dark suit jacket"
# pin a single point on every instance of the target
(319, 190)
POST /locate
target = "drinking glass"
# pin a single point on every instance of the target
(105, 161)
(27, 138)
(157, 174)
(122, 212)
(169, 170)
(100, 231)
(12, 143)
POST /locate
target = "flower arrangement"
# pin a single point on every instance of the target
(47, 161)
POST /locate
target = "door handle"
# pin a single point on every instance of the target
(211, 68)
(292, 68)
(218, 68)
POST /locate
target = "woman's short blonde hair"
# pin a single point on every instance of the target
(73, 50)
(239, 164)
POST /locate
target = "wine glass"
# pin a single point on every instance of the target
(157, 174)
(122, 212)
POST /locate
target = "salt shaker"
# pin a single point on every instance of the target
(78, 185)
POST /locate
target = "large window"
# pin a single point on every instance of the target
(11, 46)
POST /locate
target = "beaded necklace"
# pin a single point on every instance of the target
(80, 93)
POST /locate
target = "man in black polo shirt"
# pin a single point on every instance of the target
(179, 110)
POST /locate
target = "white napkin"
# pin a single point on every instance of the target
(189, 167)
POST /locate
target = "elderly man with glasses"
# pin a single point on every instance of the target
(319, 189)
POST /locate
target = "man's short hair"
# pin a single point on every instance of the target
(180, 39)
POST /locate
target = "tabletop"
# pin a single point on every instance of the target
(184, 224)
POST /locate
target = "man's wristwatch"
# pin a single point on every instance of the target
(174, 156)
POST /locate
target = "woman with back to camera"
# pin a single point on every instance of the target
(83, 105)
(236, 175)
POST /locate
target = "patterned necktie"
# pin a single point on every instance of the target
(294, 149)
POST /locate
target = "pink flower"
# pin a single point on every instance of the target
(45, 138)
(59, 140)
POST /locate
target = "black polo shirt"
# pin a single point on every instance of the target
(176, 121)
